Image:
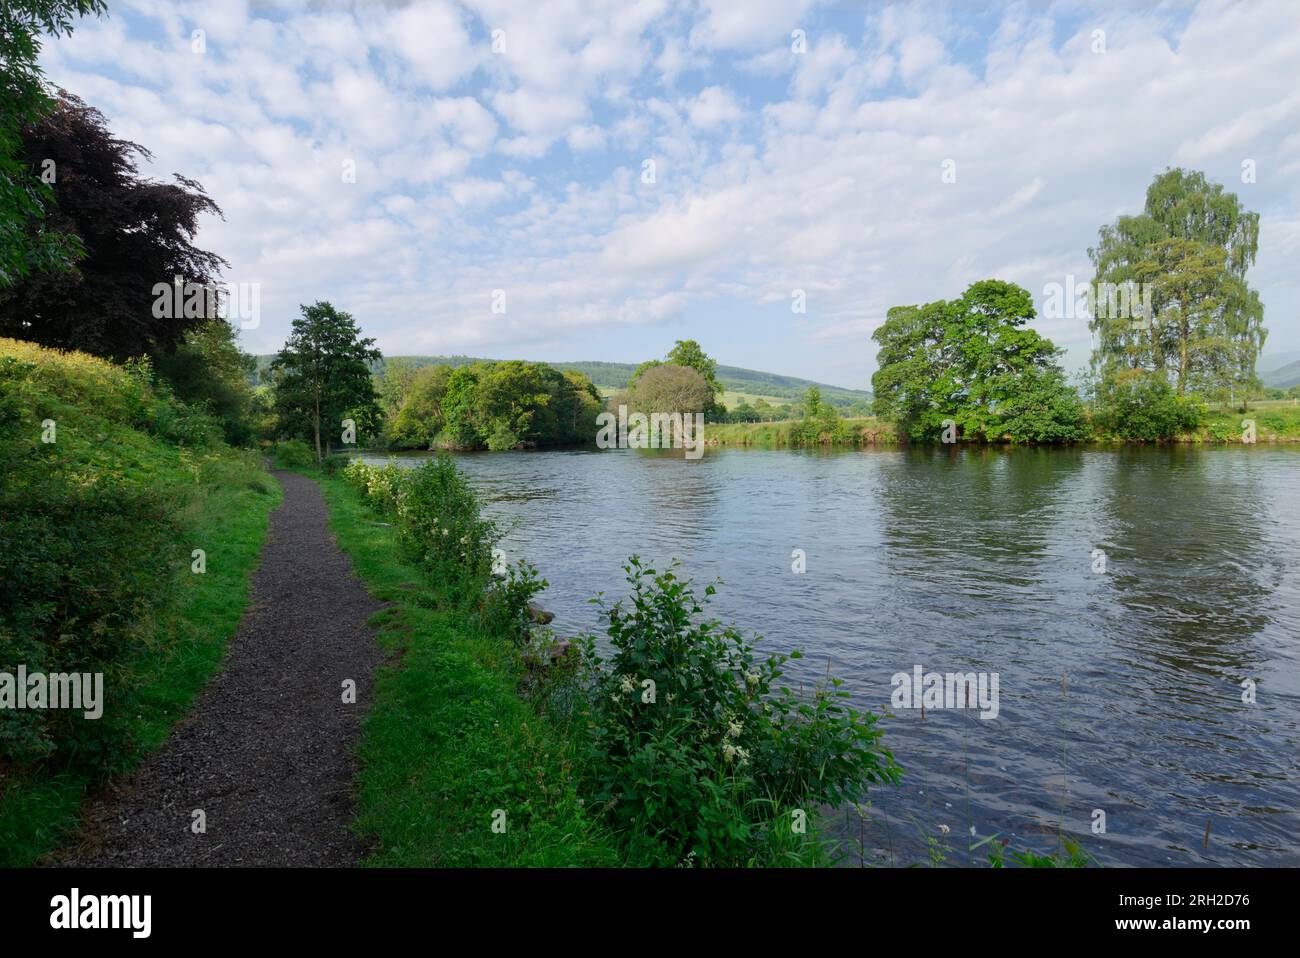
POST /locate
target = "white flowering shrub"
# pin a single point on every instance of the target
(439, 523)
(437, 517)
(692, 744)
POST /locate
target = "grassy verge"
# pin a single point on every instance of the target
(157, 631)
(39, 808)
(1275, 422)
(776, 435)
(449, 742)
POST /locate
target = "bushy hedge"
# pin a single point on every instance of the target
(84, 567)
(439, 523)
(97, 465)
(1143, 406)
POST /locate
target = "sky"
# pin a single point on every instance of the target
(588, 180)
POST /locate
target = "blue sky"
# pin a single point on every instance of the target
(521, 169)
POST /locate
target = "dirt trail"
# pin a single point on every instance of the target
(267, 751)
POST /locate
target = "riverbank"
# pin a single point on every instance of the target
(448, 740)
(110, 488)
(1275, 422)
(493, 741)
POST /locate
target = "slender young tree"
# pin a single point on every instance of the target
(322, 375)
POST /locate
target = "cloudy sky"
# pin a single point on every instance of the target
(524, 168)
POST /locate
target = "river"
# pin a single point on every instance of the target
(1120, 676)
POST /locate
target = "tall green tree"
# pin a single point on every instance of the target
(420, 419)
(1186, 254)
(323, 375)
(976, 362)
(27, 244)
(502, 405)
(393, 384)
(909, 360)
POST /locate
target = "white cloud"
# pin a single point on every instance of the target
(464, 183)
(713, 107)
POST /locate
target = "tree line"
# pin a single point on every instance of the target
(1175, 324)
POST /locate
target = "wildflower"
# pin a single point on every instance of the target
(464, 540)
(628, 683)
(444, 532)
(734, 729)
(729, 751)
(744, 755)
(751, 679)
(945, 829)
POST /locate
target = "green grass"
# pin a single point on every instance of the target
(774, 435)
(1275, 421)
(448, 739)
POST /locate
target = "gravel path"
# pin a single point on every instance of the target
(266, 752)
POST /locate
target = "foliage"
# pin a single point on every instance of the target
(96, 532)
(448, 740)
(495, 405)
(506, 606)
(1068, 855)
(393, 383)
(670, 389)
(1189, 250)
(693, 743)
(439, 525)
(821, 423)
(27, 244)
(975, 362)
(1143, 406)
(648, 381)
(137, 235)
(210, 370)
(322, 377)
(418, 419)
(293, 454)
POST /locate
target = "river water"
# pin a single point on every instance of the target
(1120, 682)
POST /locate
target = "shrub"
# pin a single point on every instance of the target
(691, 744)
(1143, 406)
(84, 567)
(505, 607)
(294, 454)
(501, 437)
(334, 463)
(439, 522)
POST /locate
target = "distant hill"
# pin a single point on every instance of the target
(1284, 377)
(616, 376)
